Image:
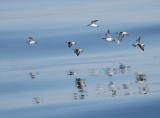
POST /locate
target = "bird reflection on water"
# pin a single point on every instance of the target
(72, 72)
(95, 72)
(126, 89)
(113, 88)
(81, 93)
(95, 84)
(37, 100)
(33, 75)
(122, 68)
(142, 83)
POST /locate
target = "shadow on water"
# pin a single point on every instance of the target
(33, 75)
(108, 86)
(81, 93)
(69, 84)
(94, 83)
(37, 100)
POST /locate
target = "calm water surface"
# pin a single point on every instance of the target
(49, 81)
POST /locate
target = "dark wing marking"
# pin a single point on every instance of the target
(93, 21)
(120, 36)
(141, 47)
(108, 34)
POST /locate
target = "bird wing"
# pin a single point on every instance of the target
(93, 21)
(80, 50)
(30, 37)
(108, 34)
(120, 36)
(73, 43)
(141, 47)
(138, 40)
(66, 42)
(125, 33)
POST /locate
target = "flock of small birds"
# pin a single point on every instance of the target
(108, 37)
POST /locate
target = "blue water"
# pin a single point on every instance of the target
(51, 92)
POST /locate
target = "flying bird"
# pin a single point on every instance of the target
(108, 36)
(31, 41)
(93, 23)
(77, 51)
(121, 35)
(70, 43)
(138, 44)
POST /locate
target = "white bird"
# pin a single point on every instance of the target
(138, 44)
(77, 51)
(93, 23)
(31, 41)
(108, 36)
(121, 35)
(70, 43)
